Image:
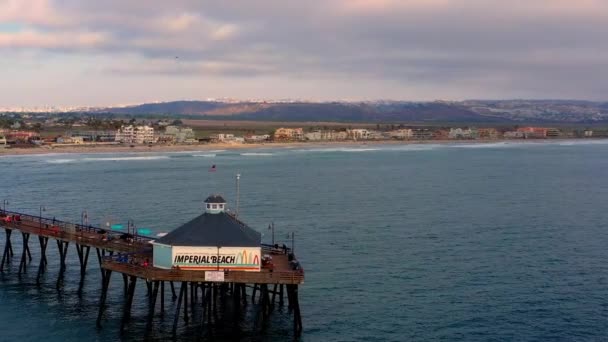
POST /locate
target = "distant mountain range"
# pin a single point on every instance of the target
(471, 111)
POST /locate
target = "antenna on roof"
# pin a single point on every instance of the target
(238, 193)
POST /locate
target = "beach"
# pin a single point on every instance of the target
(227, 146)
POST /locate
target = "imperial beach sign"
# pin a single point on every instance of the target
(224, 258)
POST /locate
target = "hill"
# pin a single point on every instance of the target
(471, 111)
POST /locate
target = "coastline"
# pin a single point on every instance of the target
(224, 146)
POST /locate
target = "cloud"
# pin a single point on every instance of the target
(448, 47)
(30, 39)
(31, 12)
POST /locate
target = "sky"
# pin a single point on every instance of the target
(97, 53)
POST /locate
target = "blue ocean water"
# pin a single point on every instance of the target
(458, 242)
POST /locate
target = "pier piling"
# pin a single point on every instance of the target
(8, 250)
(41, 267)
(126, 316)
(105, 283)
(22, 263)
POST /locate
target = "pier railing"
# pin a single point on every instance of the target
(66, 231)
(152, 273)
(68, 227)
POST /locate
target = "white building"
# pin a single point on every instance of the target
(403, 133)
(323, 135)
(180, 134)
(257, 138)
(314, 136)
(136, 135)
(358, 134)
(460, 133)
(222, 137)
(70, 140)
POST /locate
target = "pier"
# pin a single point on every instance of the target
(201, 289)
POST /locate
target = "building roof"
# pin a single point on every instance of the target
(215, 199)
(208, 229)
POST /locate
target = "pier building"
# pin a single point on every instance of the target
(213, 241)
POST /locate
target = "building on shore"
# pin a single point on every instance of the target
(221, 137)
(314, 136)
(441, 134)
(488, 133)
(588, 133)
(533, 132)
(70, 140)
(94, 136)
(135, 135)
(422, 134)
(326, 135)
(19, 137)
(213, 241)
(251, 138)
(226, 138)
(179, 135)
(359, 134)
(514, 135)
(553, 133)
(463, 133)
(295, 134)
(3, 141)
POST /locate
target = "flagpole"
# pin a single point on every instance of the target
(238, 193)
(271, 227)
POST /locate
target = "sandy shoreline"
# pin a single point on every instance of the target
(223, 146)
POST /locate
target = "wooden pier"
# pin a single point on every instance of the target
(130, 256)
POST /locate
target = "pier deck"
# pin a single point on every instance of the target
(113, 246)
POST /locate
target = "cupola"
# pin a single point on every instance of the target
(215, 204)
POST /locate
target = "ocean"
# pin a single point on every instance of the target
(430, 242)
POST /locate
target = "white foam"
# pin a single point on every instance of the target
(360, 149)
(195, 151)
(257, 154)
(485, 145)
(126, 158)
(583, 142)
(60, 161)
(210, 155)
(341, 149)
(33, 155)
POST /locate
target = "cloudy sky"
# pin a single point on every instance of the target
(77, 52)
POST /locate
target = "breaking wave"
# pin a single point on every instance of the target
(257, 154)
(60, 161)
(125, 158)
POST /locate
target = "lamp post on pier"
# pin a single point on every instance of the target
(271, 227)
(130, 224)
(292, 235)
(42, 208)
(84, 221)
